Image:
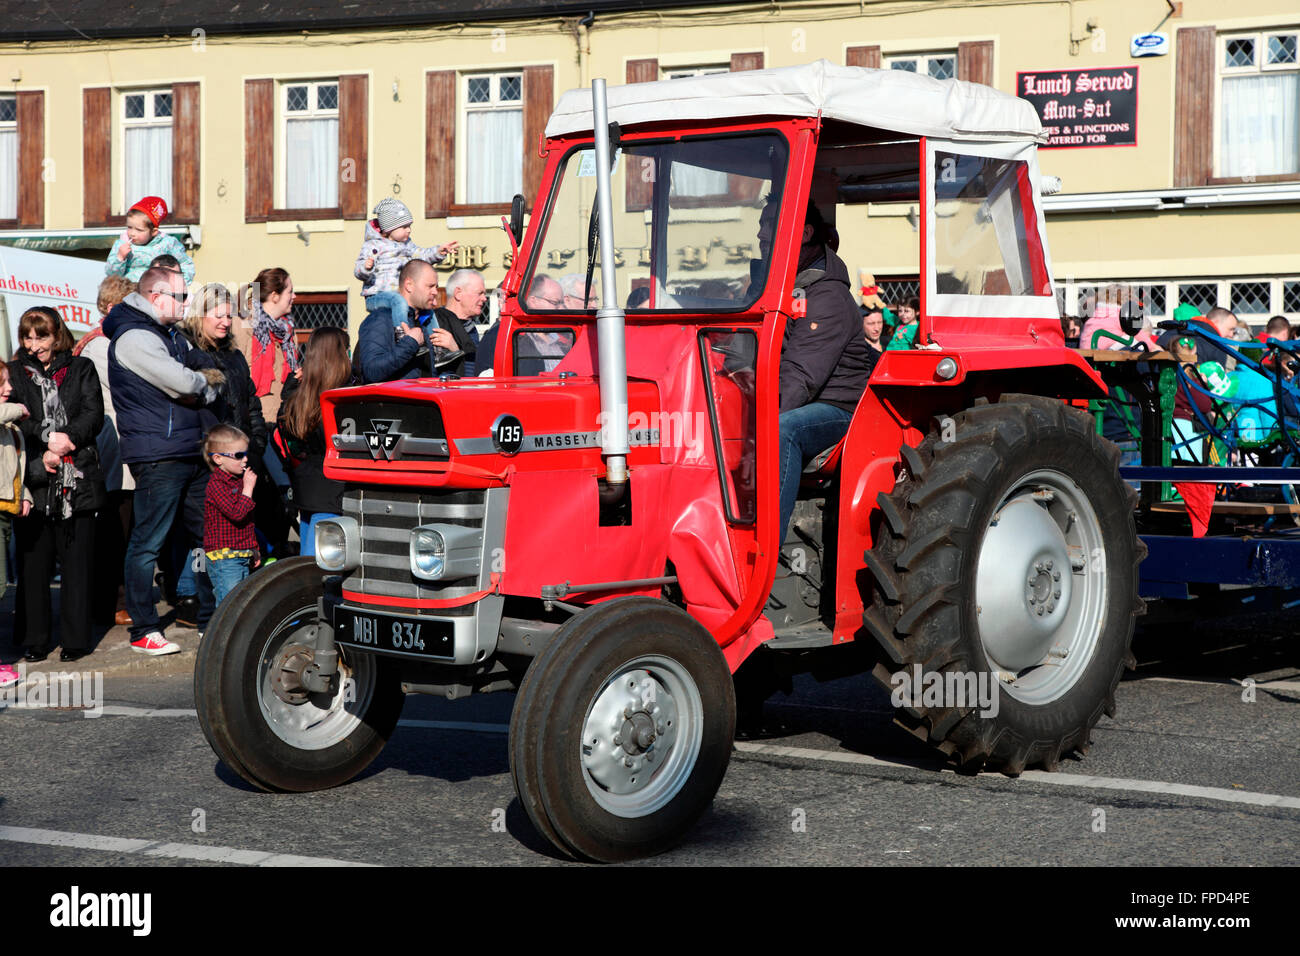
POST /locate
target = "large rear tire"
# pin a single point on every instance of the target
(622, 730)
(1007, 556)
(275, 736)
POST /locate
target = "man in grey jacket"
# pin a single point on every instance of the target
(157, 401)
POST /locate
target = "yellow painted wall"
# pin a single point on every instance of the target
(1027, 35)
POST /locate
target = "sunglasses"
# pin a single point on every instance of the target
(178, 296)
(237, 455)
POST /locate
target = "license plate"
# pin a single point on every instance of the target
(393, 634)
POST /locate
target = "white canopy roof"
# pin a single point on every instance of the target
(887, 99)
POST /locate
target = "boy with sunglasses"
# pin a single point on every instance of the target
(229, 539)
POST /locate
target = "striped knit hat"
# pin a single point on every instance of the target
(392, 213)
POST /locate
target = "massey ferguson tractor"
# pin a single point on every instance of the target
(596, 527)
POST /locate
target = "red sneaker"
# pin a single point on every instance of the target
(155, 645)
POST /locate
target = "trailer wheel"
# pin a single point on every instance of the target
(1005, 569)
(622, 730)
(277, 736)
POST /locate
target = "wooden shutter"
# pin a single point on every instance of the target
(975, 61)
(185, 153)
(259, 149)
(96, 155)
(639, 187)
(539, 97)
(1194, 81)
(353, 119)
(31, 160)
(868, 56)
(439, 143)
(746, 61)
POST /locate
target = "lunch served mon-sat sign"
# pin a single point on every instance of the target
(1084, 107)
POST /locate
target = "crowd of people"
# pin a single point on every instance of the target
(177, 444)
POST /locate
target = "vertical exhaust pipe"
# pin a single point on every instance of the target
(610, 339)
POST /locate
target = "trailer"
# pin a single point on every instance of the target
(1218, 508)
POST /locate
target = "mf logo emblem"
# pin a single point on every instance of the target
(384, 440)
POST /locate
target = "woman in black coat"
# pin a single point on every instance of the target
(62, 393)
(207, 325)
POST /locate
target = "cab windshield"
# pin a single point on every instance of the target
(685, 226)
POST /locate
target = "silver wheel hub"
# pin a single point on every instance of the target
(1040, 587)
(305, 720)
(641, 736)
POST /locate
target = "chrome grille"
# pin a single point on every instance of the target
(386, 517)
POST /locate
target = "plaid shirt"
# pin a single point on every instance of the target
(228, 515)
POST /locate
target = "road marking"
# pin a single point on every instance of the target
(118, 710)
(1038, 776)
(156, 848)
(1227, 682)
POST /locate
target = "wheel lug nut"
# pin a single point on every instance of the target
(1056, 575)
(627, 711)
(618, 740)
(1049, 565)
(1039, 610)
(1051, 606)
(1056, 593)
(660, 729)
(627, 762)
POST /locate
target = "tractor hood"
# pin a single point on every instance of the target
(474, 433)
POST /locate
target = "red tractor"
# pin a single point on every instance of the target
(596, 527)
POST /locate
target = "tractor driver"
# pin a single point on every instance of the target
(824, 359)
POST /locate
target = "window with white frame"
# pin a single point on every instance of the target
(493, 157)
(146, 145)
(1259, 103)
(309, 111)
(694, 182)
(941, 66)
(1291, 296)
(8, 157)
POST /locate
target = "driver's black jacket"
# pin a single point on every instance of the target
(825, 357)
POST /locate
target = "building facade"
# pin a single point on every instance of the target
(273, 140)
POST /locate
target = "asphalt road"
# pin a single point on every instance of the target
(1187, 773)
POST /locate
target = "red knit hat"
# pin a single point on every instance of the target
(154, 208)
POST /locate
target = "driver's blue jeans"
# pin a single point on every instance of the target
(804, 432)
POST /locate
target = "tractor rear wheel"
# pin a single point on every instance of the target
(1005, 566)
(622, 730)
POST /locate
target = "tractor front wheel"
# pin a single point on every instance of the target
(256, 714)
(622, 730)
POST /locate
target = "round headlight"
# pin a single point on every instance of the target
(946, 369)
(331, 546)
(428, 553)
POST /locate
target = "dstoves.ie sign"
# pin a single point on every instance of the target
(1084, 107)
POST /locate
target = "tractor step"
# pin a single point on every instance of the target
(802, 638)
